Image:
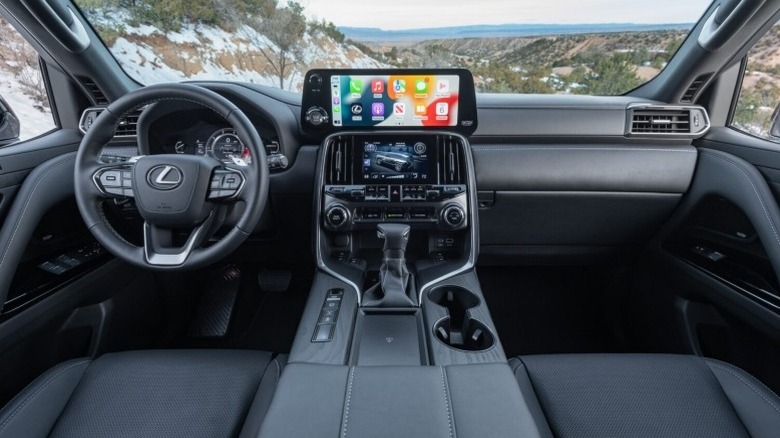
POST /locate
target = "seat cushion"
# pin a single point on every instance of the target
(636, 395)
(165, 393)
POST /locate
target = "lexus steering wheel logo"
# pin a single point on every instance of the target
(164, 177)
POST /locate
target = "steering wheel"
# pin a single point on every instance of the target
(173, 193)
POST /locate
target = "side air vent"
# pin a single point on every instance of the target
(339, 161)
(127, 127)
(98, 98)
(693, 90)
(451, 159)
(666, 121)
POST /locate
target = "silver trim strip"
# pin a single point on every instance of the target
(472, 214)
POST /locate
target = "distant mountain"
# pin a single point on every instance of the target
(370, 34)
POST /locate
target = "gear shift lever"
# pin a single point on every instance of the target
(395, 279)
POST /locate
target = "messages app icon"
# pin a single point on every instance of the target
(355, 86)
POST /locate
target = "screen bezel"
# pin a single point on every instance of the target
(359, 143)
(316, 94)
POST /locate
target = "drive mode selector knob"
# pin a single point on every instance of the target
(453, 216)
(336, 216)
(316, 116)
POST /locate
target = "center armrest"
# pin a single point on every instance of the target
(460, 400)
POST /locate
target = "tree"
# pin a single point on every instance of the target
(611, 76)
(284, 28)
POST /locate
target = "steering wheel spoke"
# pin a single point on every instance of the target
(114, 181)
(158, 243)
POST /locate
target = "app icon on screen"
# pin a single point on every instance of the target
(399, 86)
(442, 109)
(378, 109)
(442, 86)
(420, 86)
(399, 109)
(355, 86)
(420, 109)
(357, 109)
(377, 87)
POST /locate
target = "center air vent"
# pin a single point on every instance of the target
(339, 161)
(658, 120)
(451, 159)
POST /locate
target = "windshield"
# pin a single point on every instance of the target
(599, 47)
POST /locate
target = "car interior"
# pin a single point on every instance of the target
(211, 258)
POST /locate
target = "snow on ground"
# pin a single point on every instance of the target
(204, 50)
(32, 120)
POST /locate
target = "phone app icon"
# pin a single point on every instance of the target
(355, 86)
(421, 86)
(336, 109)
(442, 109)
(378, 109)
(442, 86)
(399, 86)
(420, 109)
(399, 109)
(377, 87)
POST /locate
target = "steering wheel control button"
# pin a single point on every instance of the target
(164, 177)
(225, 183)
(111, 178)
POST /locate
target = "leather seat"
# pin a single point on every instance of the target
(640, 395)
(163, 393)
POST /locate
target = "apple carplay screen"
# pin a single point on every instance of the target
(391, 99)
(395, 160)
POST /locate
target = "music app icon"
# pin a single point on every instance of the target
(377, 87)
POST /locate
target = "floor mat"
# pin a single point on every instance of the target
(263, 318)
(543, 310)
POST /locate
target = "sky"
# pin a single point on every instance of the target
(415, 14)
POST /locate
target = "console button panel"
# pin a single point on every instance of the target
(329, 313)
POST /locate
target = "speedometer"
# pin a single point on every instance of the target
(225, 146)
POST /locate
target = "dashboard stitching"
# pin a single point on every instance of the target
(27, 204)
(758, 195)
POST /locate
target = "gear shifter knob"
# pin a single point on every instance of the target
(396, 236)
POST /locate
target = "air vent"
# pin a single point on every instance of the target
(693, 90)
(98, 98)
(339, 161)
(667, 121)
(128, 125)
(451, 159)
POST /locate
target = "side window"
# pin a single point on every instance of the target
(24, 104)
(759, 96)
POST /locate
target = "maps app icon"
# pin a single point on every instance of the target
(399, 86)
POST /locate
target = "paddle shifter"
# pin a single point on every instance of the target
(396, 285)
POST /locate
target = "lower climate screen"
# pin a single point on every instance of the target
(403, 161)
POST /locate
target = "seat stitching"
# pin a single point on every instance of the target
(446, 400)
(746, 383)
(758, 195)
(349, 398)
(734, 368)
(27, 204)
(35, 393)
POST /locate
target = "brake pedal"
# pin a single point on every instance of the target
(212, 318)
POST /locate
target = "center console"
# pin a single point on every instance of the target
(396, 310)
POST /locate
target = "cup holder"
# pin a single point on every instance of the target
(458, 330)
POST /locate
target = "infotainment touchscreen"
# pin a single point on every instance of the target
(397, 160)
(394, 100)
(389, 99)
